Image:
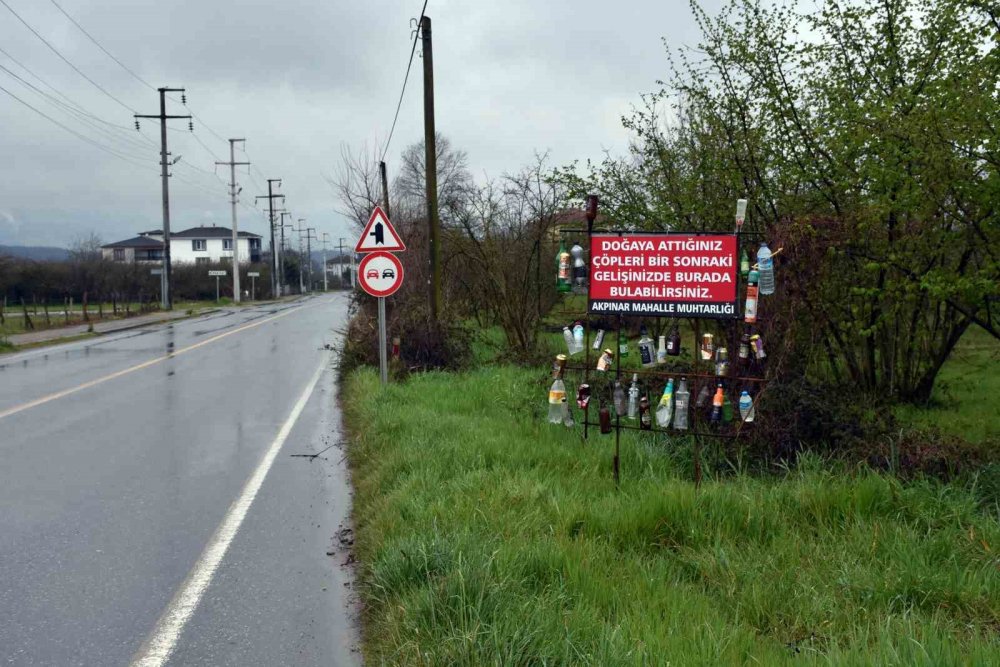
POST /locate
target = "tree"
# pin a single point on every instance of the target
(866, 131)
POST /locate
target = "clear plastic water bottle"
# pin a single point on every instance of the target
(568, 337)
(578, 343)
(765, 266)
(746, 406)
(557, 399)
(618, 398)
(665, 410)
(633, 397)
(683, 399)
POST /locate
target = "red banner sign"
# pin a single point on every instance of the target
(664, 275)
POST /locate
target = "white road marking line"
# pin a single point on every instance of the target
(146, 364)
(161, 642)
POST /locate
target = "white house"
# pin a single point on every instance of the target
(198, 245)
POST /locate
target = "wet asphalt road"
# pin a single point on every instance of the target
(121, 456)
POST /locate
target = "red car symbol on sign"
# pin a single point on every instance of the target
(372, 273)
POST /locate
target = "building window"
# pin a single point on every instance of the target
(119, 254)
(227, 244)
(255, 244)
(199, 244)
(202, 260)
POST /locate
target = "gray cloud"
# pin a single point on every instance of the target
(299, 78)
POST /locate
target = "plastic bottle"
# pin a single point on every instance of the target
(665, 410)
(661, 351)
(578, 343)
(744, 264)
(579, 269)
(647, 351)
(563, 283)
(703, 395)
(567, 415)
(766, 266)
(622, 344)
(598, 339)
(750, 311)
(568, 337)
(681, 409)
(633, 397)
(557, 397)
(674, 343)
(716, 414)
(618, 398)
(746, 407)
(721, 361)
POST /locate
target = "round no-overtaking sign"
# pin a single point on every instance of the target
(380, 274)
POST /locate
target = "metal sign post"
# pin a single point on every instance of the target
(252, 275)
(217, 274)
(380, 273)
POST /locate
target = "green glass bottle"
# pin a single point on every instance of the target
(563, 280)
(622, 343)
(744, 265)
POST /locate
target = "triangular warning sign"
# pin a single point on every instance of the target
(379, 234)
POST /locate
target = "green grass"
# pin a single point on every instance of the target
(964, 402)
(489, 537)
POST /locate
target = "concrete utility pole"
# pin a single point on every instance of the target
(270, 197)
(340, 262)
(166, 298)
(233, 192)
(300, 228)
(310, 235)
(326, 268)
(281, 249)
(430, 169)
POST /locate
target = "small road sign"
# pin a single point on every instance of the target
(253, 274)
(379, 235)
(216, 273)
(156, 272)
(380, 274)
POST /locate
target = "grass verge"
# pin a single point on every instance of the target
(489, 537)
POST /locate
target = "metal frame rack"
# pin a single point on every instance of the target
(739, 376)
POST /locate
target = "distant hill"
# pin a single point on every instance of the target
(36, 252)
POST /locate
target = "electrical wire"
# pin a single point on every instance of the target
(64, 58)
(80, 109)
(132, 144)
(399, 105)
(98, 45)
(89, 140)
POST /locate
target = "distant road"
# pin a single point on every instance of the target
(151, 511)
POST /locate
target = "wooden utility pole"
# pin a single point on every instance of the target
(166, 300)
(430, 169)
(233, 192)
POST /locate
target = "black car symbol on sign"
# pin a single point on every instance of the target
(388, 273)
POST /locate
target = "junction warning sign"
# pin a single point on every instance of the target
(664, 275)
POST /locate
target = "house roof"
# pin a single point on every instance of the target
(137, 242)
(152, 232)
(211, 233)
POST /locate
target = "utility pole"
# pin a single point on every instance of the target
(340, 262)
(385, 190)
(281, 250)
(430, 169)
(233, 192)
(166, 298)
(300, 228)
(326, 269)
(270, 197)
(309, 253)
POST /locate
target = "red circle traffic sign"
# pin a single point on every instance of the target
(380, 273)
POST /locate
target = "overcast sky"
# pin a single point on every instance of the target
(299, 78)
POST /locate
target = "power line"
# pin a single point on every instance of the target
(107, 149)
(98, 44)
(80, 109)
(64, 58)
(131, 143)
(399, 105)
